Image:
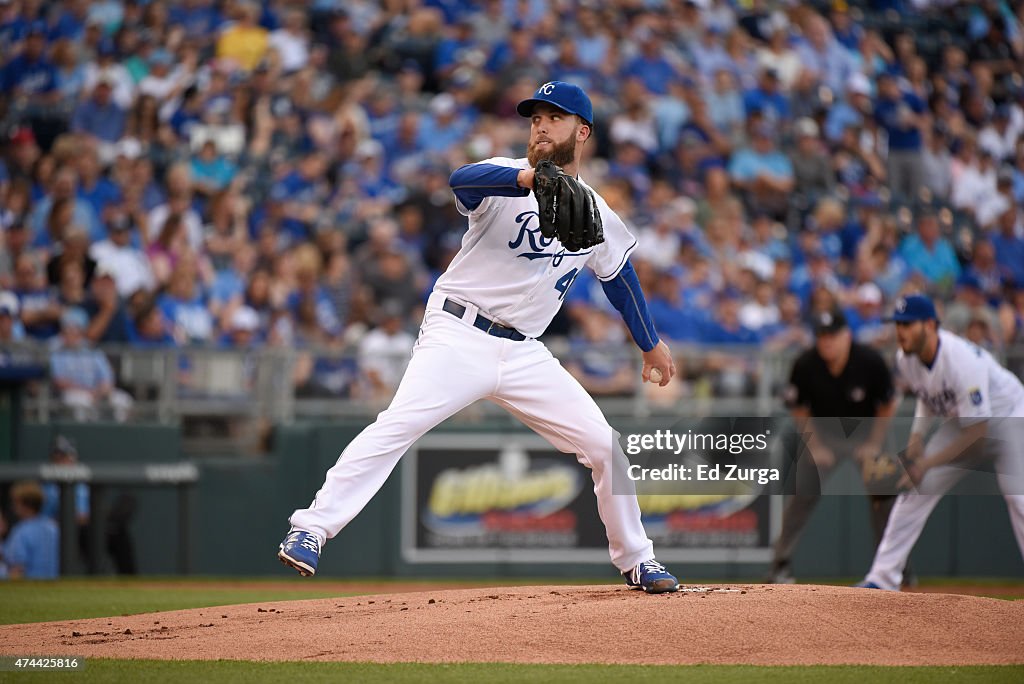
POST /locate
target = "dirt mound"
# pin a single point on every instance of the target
(753, 624)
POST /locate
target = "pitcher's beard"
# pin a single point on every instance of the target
(561, 153)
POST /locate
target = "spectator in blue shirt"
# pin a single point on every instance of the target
(733, 376)
(150, 330)
(670, 313)
(725, 327)
(83, 375)
(70, 23)
(930, 254)
(596, 357)
(184, 305)
(767, 99)
(405, 145)
(211, 172)
(199, 19)
(592, 40)
(64, 453)
(709, 55)
(188, 114)
(516, 58)
(311, 299)
(725, 104)
(31, 74)
(816, 271)
(823, 56)
(901, 115)
(40, 310)
(650, 66)
(763, 172)
(848, 33)
(445, 127)
(32, 549)
(100, 116)
(850, 110)
(1009, 247)
(303, 193)
(370, 174)
(93, 186)
(13, 30)
(452, 49)
(70, 73)
(64, 188)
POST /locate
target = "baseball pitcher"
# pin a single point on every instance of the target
(478, 340)
(983, 404)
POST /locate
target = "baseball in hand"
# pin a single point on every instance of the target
(656, 376)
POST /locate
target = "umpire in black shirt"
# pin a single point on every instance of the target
(835, 378)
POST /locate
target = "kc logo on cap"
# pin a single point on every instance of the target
(568, 97)
(915, 307)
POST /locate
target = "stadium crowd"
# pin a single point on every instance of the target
(241, 174)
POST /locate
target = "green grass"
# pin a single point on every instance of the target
(69, 599)
(144, 671)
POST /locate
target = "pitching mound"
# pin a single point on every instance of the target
(752, 624)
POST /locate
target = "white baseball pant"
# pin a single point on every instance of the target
(453, 365)
(912, 509)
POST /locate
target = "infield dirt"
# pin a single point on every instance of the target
(721, 624)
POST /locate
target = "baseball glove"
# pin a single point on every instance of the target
(882, 473)
(568, 210)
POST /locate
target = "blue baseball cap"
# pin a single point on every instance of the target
(74, 317)
(969, 280)
(161, 56)
(913, 308)
(566, 96)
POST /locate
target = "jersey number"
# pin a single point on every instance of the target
(565, 282)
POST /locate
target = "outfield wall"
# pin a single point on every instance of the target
(241, 505)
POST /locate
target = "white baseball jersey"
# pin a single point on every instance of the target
(964, 382)
(512, 273)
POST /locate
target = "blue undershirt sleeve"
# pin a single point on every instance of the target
(473, 182)
(624, 292)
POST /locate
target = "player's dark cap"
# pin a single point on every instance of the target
(969, 281)
(63, 445)
(829, 322)
(913, 308)
(890, 72)
(566, 96)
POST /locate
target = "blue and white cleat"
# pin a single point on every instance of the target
(301, 551)
(866, 585)
(652, 577)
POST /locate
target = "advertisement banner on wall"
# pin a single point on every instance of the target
(513, 498)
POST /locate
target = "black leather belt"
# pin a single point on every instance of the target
(484, 323)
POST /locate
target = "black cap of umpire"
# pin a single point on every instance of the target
(829, 322)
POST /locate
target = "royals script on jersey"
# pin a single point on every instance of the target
(964, 382)
(514, 274)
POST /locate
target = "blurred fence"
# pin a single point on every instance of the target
(284, 385)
